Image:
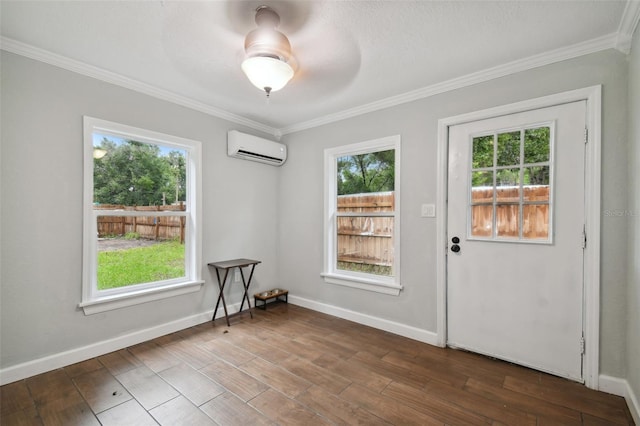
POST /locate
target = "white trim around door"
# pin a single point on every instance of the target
(593, 97)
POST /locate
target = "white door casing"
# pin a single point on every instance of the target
(591, 267)
(518, 298)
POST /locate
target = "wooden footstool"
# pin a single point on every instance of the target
(276, 293)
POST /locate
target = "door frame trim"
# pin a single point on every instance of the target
(591, 268)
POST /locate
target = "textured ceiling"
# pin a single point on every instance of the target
(347, 53)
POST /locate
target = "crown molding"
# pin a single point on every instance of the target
(611, 41)
(42, 55)
(628, 25)
(584, 48)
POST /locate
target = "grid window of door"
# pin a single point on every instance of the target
(510, 196)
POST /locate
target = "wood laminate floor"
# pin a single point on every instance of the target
(292, 366)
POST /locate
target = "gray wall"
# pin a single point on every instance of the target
(42, 109)
(268, 213)
(301, 195)
(633, 307)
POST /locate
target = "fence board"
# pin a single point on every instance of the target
(535, 217)
(362, 239)
(149, 227)
(366, 240)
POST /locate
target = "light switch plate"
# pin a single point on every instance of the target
(428, 210)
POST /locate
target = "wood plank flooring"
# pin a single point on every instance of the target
(292, 366)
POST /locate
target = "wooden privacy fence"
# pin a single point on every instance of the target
(149, 227)
(369, 240)
(365, 239)
(535, 217)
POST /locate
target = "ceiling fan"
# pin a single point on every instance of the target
(294, 44)
(268, 52)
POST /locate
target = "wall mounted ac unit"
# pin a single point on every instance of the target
(249, 147)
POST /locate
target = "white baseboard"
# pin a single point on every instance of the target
(72, 356)
(62, 359)
(375, 322)
(620, 387)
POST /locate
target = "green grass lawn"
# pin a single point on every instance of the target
(365, 267)
(161, 261)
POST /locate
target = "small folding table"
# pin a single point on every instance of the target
(227, 266)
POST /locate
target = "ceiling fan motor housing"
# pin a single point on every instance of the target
(266, 40)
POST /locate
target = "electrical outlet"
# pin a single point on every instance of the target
(236, 276)
(428, 210)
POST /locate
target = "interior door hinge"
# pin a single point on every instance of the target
(582, 344)
(584, 237)
(586, 135)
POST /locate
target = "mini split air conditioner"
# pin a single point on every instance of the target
(249, 147)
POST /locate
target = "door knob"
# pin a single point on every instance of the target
(455, 247)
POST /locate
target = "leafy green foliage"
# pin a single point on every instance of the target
(537, 175)
(508, 177)
(135, 173)
(536, 145)
(364, 173)
(536, 150)
(483, 152)
(483, 178)
(161, 261)
(508, 149)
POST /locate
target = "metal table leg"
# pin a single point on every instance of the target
(221, 296)
(246, 289)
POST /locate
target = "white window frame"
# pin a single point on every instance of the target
(371, 282)
(94, 300)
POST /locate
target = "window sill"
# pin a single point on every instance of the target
(362, 283)
(110, 303)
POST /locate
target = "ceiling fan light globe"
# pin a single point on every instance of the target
(265, 72)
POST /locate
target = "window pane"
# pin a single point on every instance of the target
(366, 184)
(365, 244)
(535, 221)
(482, 220)
(483, 152)
(137, 250)
(507, 220)
(482, 179)
(509, 149)
(128, 173)
(508, 177)
(136, 176)
(482, 187)
(536, 181)
(365, 173)
(536, 145)
(537, 175)
(508, 186)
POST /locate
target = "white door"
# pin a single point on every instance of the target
(516, 238)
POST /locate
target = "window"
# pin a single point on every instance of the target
(141, 216)
(362, 223)
(511, 174)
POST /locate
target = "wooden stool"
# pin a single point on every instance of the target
(276, 293)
